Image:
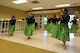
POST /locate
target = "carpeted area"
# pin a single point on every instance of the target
(11, 47)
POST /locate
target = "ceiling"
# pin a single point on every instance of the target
(49, 11)
(46, 4)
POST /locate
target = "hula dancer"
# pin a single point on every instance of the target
(50, 25)
(63, 30)
(54, 25)
(29, 28)
(11, 29)
(74, 25)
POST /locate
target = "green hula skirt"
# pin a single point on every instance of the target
(29, 28)
(11, 29)
(54, 29)
(63, 32)
(73, 28)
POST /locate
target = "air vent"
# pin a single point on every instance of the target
(35, 2)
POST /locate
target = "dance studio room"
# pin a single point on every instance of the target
(39, 26)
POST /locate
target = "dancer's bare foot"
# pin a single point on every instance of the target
(11, 34)
(64, 46)
(27, 38)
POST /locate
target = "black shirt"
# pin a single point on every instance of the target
(49, 20)
(66, 19)
(30, 19)
(54, 20)
(12, 22)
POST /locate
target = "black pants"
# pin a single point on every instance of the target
(36, 25)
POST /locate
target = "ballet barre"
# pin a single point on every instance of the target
(4, 26)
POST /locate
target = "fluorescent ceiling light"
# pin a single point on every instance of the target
(37, 8)
(19, 1)
(62, 5)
